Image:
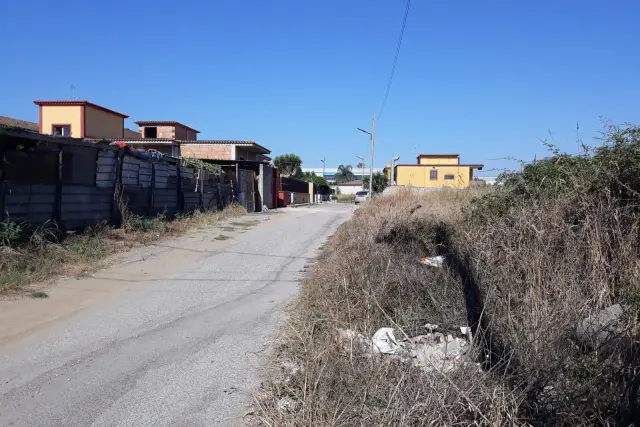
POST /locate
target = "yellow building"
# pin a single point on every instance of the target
(435, 171)
(79, 119)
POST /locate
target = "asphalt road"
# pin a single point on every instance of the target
(174, 337)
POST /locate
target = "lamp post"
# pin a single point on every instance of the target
(372, 134)
(362, 163)
(393, 169)
(323, 160)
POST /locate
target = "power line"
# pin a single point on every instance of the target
(395, 59)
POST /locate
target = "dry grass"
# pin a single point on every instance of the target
(367, 277)
(46, 254)
(528, 262)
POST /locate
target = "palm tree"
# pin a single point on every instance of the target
(344, 174)
(360, 165)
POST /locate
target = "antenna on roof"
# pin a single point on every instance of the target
(73, 91)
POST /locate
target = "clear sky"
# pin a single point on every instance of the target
(486, 79)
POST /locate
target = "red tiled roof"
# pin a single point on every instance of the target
(21, 124)
(163, 123)
(437, 156)
(78, 103)
(135, 140)
(443, 165)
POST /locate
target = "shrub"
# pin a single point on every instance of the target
(11, 233)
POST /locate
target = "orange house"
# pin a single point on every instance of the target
(79, 119)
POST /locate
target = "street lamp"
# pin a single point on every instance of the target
(362, 163)
(323, 165)
(393, 168)
(372, 134)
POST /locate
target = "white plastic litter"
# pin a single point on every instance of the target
(385, 342)
(434, 261)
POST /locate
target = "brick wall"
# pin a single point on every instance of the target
(205, 151)
(184, 134)
(168, 132)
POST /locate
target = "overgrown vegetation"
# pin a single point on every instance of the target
(345, 198)
(28, 255)
(379, 182)
(529, 259)
(289, 165)
(199, 164)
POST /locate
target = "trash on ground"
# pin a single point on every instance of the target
(430, 352)
(385, 342)
(434, 261)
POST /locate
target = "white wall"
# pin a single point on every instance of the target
(348, 189)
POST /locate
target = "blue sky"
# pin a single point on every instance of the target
(486, 79)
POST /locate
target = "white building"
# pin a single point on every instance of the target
(330, 173)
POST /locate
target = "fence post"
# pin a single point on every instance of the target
(180, 200)
(220, 201)
(116, 218)
(201, 178)
(3, 193)
(57, 214)
(152, 188)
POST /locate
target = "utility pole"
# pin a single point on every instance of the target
(373, 142)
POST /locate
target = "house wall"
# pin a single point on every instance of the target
(435, 160)
(61, 115)
(205, 151)
(348, 189)
(185, 134)
(419, 176)
(243, 153)
(102, 124)
(167, 132)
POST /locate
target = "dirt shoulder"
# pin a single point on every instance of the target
(21, 314)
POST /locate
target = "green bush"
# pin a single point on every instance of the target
(613, 169)
(11, 233)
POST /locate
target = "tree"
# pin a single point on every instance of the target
(289, 165)
(316, 179)
(360, 165)
(379, 182)
(344, 174)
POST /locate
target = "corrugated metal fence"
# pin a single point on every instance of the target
(79, 184)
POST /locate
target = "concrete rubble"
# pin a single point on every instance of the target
(431, 351)
(288, 405)
(600, 327)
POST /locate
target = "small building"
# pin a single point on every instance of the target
(351, 187)
(166, 130)
(435, 171)
(330, 173)
(225, 150)
(79, 119)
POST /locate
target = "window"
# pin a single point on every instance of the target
(61, 130)
(151, 132)
(449, 177)
(433, 175)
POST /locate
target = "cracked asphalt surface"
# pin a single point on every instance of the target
(173, 337)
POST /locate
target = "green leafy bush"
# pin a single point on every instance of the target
(11, 233)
